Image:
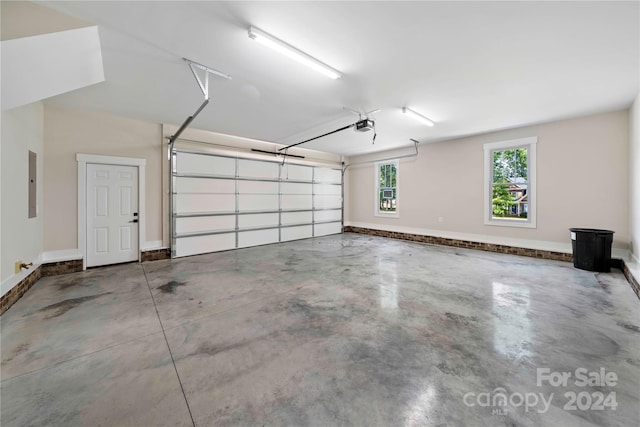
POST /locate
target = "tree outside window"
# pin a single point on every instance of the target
(510, 183)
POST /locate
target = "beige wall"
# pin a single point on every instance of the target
(582, 181)
(67, 132)
(22, 131)
(24, 19)
(634, 178)
(583, 178)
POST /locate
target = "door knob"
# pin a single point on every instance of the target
(134, 220)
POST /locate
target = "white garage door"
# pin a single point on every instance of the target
(221, 203)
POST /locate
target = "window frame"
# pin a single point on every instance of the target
(530, 144)
(376, 172)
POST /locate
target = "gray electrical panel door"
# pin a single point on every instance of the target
(33, 166)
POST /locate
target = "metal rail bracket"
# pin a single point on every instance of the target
(203, 83)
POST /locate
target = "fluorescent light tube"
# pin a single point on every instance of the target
(292, 52)
(419, 117)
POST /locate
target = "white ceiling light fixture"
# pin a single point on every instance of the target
(291, 52)
(419, 117)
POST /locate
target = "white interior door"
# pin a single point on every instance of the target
(112, 214)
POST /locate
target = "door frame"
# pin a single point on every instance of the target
(82, 160)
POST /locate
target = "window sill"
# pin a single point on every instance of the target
(511, 223)
(386, 215)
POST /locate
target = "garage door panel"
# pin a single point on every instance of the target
(327, 175)
(200, 185)
(334, 215)
(200, 203)
(327, 202)
(327, 189)
(290, 201)
(205, 223)
(257, 202)
(256, 238)
(326, 229)
(296, 172)
(258, 169)
(295, 188)
(258, 220)
(204, 244)
(257, 187)
(199, 164)
(296, 233)
(297, 217)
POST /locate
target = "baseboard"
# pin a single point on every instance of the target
(155, 254)
(61, 267)
(47, 264)
(631, 270)
(61, 255)
(11, 282)
(532, 248)
(20, 288)
(541, 245)
(53, 263)
(622, 260)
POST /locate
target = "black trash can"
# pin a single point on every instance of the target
(591, 249)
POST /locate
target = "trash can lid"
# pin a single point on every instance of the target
(591, 230)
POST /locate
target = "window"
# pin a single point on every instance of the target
(387, 189)
(510, 183)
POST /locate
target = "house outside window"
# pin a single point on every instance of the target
(510, 182)
(387, 178)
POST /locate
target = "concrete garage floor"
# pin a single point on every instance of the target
(339, 330)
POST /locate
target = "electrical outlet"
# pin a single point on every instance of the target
(17, 267)
(440, 219)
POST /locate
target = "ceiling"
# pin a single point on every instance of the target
(471, 67)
